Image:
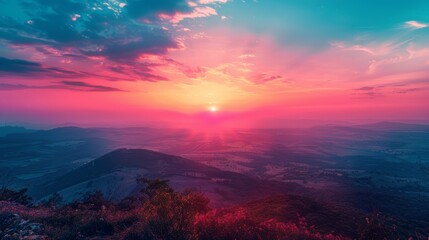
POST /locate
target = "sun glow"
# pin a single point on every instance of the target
(213, 109)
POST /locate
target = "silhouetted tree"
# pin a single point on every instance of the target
(152, 186)
(168, 214)
(94, 201)
(19, 196)
(54, 201)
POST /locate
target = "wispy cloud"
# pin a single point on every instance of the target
(261, 78)
(198, 12)
(67, 85)
(212, 1)
(415, 25)
(31, 69)
(89, 87)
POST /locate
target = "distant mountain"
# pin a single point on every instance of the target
(59, 133)
(154, 162)
(115, 173)
(395, 126)
(13, 129)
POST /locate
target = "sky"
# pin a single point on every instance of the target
(235, 63)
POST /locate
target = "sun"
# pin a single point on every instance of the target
(213, 109)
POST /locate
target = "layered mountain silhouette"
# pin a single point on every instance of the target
(115, 175)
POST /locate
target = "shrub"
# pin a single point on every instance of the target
(15, 196)
(227, 224)
(158, 212)
(171, 215)
(97, 226)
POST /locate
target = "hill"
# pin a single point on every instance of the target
(115, 173)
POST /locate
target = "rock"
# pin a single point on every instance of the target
(13, 227)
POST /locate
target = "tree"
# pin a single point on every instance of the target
(19, 196)
(54, 201)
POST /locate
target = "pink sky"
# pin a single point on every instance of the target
(253, 78)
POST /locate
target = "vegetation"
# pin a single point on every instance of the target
(14, 196)
(158, 212)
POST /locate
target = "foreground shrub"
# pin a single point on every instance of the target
(159, 212)
(19, 196)
(239, 226)
(170, 215)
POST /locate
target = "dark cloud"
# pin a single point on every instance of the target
(141, 41)
(34, 69)
(408, 90)
(7, 86)
(67, 85)
(19, 66)
(367, 88)
(85, 29)
(29, 68)
(141, 72)
(99, 32)
(368, 92)
(89, 87)
(151, 9)
(392, 88)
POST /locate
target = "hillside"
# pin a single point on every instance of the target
(115, 173)
(159, 212)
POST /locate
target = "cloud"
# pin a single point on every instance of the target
(67, 85)
(112, 34)
(212, 1)
(142, 72)
(244, 56)
(198, 12)
(30, 70)
(415, 25)
(393, 88)
(191, 72)
(152, 9)
(19, 66)
(264, 78)
(89, 87)
(7, 86)
(371, 49)
(367, 88)
(98, 31)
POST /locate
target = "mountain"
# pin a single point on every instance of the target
(13, 129)
(394, 126)
(115, 175)
(59, 134)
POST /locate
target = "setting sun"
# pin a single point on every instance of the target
(213, 109)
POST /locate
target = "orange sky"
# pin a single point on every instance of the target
(169, 65)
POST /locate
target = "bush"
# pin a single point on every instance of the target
(97, 227)
(15, 196)
(171, 215)
(54, 201)
(158, 212)
(238, 225)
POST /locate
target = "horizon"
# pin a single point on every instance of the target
(185, 63)
(157, 125)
